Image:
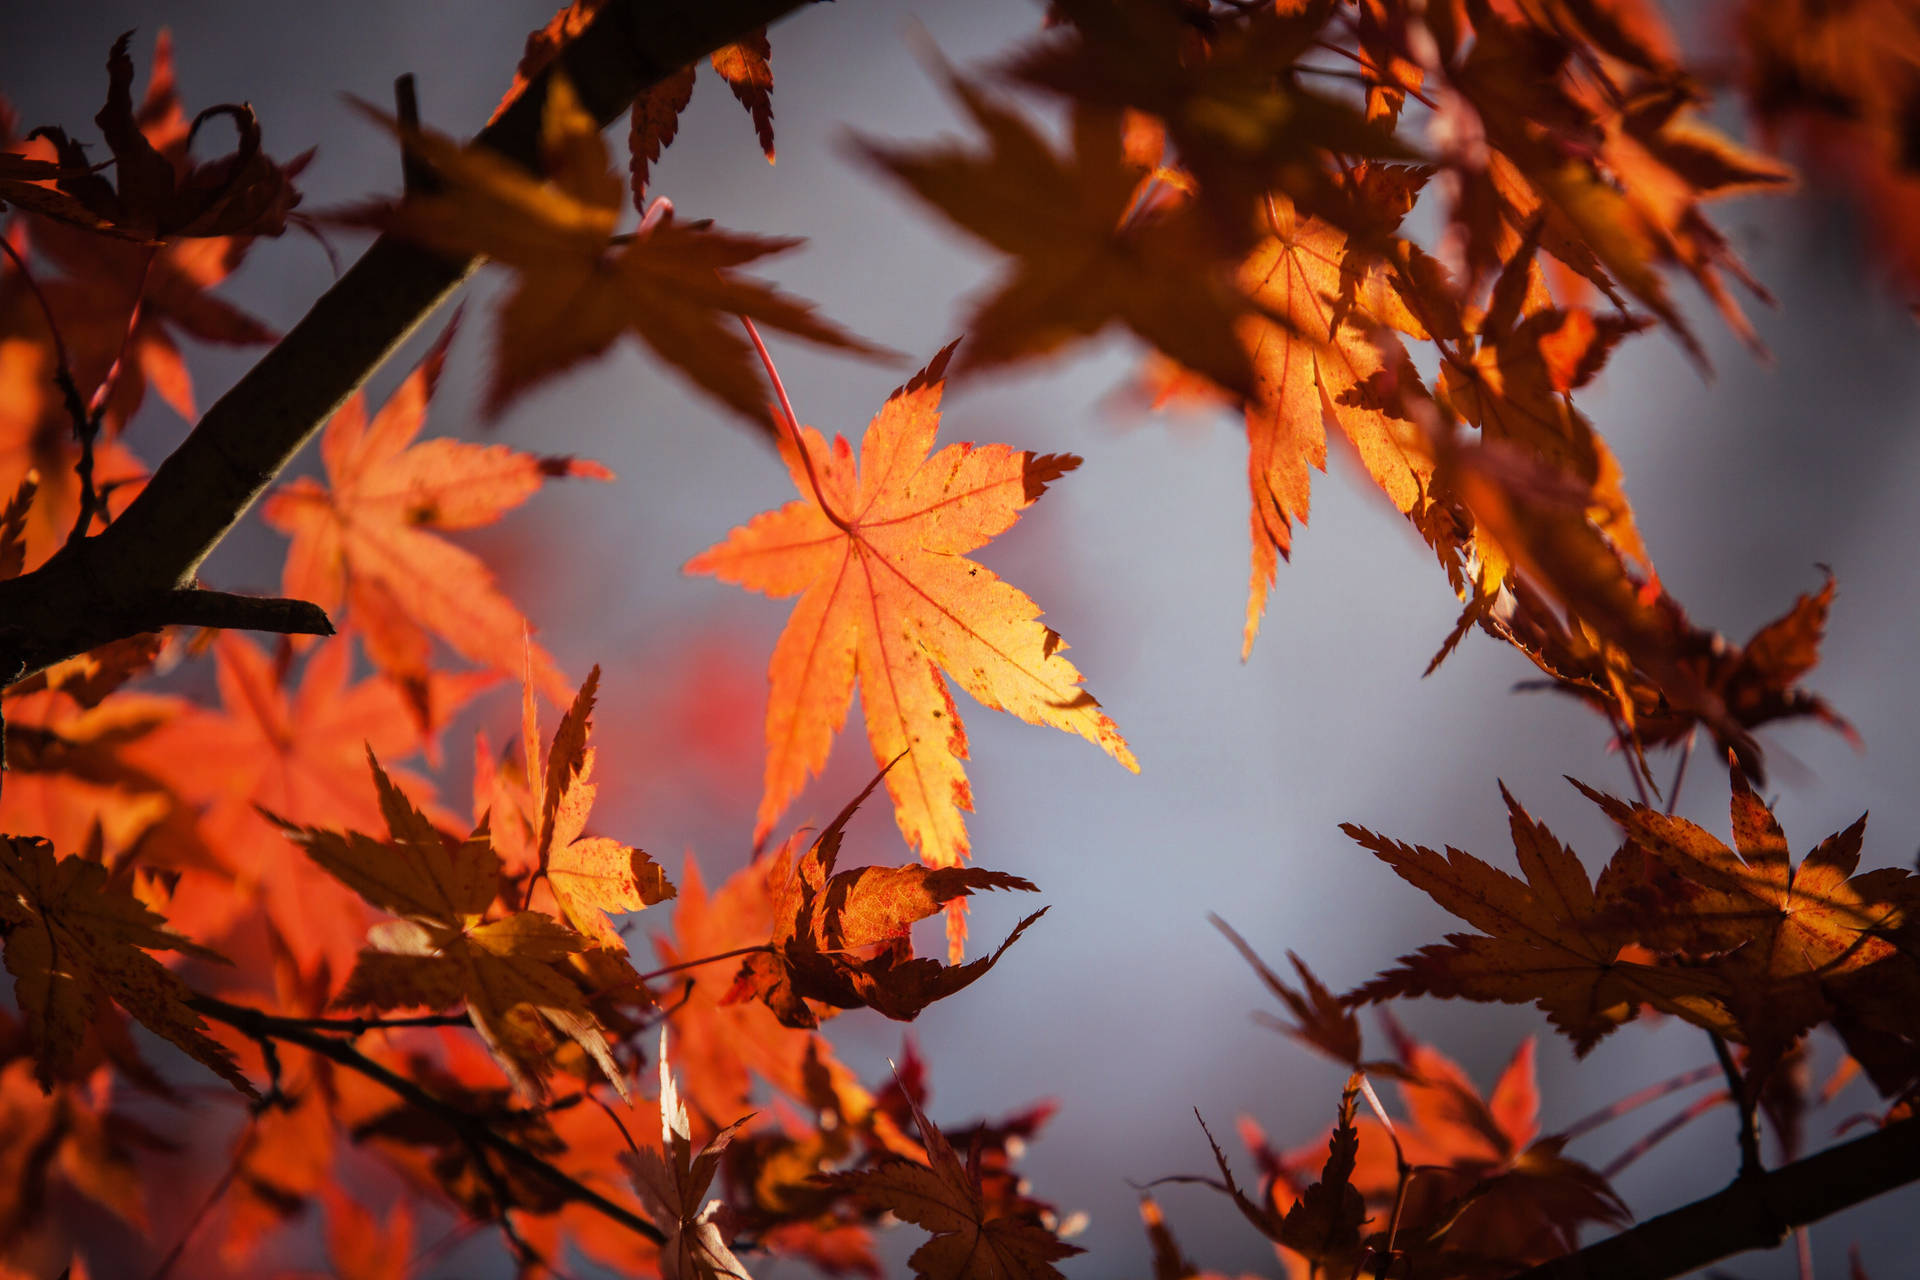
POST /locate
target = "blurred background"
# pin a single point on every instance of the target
(1124, 1004)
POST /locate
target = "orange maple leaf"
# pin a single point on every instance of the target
(877, 555)
(1777, 935)
(589, 875)
(1319, 352)
(300, 753)
(369, 536)
(668, 284)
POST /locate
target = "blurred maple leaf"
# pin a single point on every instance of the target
(1491, 1191)
(877, 555)
(368, 536)
(578, 287)
(300, 753)
(157, 196)
(1090, 248)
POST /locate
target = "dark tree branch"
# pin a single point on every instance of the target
(473, 1130)
(1753, 1213)
(79, 599)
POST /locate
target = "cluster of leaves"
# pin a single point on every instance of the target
(1240, 206)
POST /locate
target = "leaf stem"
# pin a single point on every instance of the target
(793, 427)
(694, 964)
(1680, 771)
(1634, 1101)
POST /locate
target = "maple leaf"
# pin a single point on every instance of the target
(442, 951)
(1227, 91)
(75, 937)
(589, 875)
(972, 1240)
(1492, 1192)
(1536, 519)
(1774, 933)
(877, 555)
(1089, 251)
(369, 537)
(1323, 1222)
(723, 1043)
(1322, 351)
(843, 938)
(1326, 1023)
(61, 1144)
(673, 1181)
(122, 305)
(300, 753)
(156, 196)
(670, 285)
(1554, 939)
(1758, 682)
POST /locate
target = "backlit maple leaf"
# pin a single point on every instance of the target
(1776, 934)
(369, 536)
(589, 875)
(1323, 352)
(1554, 939)
(843, 939)
(669, 284)
(972, 1239)
(75, 938)
(877, 555)
(1490, 1186)
(443, 951)
(673, 1181)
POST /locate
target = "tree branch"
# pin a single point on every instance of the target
(78, 599)
(473, 1130)
(1753, 1213)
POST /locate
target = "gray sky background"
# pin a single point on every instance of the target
(1124, 1003)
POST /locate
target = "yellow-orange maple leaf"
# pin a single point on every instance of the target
(589, 875)
(877, 556)
(1319, 347)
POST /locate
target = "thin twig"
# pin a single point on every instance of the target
(214, 1196)
(1740, 1087)
(1680, 772)
(257, 1025)
(1664, 1130)
(1634, 1101)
